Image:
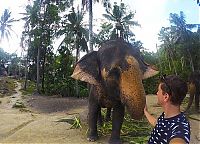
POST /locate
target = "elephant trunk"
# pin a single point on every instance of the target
(132, 91)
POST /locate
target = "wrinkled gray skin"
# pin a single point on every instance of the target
(115, 73)
(194, 90)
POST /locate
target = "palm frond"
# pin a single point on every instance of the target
(128, 17)
(109, 17)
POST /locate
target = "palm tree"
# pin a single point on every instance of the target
(6, 24)
(182, 33)
(88, 4)
(74, 30)
(169, 40)
(198, 2)
(75, 34)
(25, 33)
(123, 21)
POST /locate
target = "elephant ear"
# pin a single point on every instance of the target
(148, 70)
(87, 69)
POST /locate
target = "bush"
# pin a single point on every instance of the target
(151, 84)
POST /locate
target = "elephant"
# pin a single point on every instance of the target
(115, 73)
(194, 90)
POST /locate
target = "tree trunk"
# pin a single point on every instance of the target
(90, 26)
(175, 71)
(26, 71)
(76, 81)
(38, 71)
(43, 70)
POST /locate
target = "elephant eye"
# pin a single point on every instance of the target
(114, 73)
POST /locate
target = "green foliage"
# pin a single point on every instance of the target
(18, 104)
(179, 51)
(58, 75)
(151, 84)
(4, 57)
(31, 88)
(75, 122)
(121, 21)
(133, 131)
(83, 90)
(7, 86)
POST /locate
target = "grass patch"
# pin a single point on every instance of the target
(30, 88)
(133, 131)
(7, 86)
(24, 110)
(18, 104)
(75, 122)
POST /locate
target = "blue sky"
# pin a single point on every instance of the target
(151, 14)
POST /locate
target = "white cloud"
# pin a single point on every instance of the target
(150, 15)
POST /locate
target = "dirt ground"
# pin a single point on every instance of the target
(42, 120)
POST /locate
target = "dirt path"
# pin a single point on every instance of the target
(41, 121)
(40, 126)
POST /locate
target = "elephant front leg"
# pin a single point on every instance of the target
(93, 116)
(117, 120)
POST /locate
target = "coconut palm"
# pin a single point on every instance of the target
(182, 33)
(89, 4)
(76, 35)
(27, 16)
(74, 30)
(6, 22)
(122, 19)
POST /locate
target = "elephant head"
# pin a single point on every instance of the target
(118, 68)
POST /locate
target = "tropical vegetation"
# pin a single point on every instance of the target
(47, 21)
(50, 68)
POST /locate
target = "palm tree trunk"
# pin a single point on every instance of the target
(76, 81)
(26, 71)
(43, 70)
(90, 26)
(38, 71)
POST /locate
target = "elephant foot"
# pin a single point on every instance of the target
(115, 141)
(92, 138)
